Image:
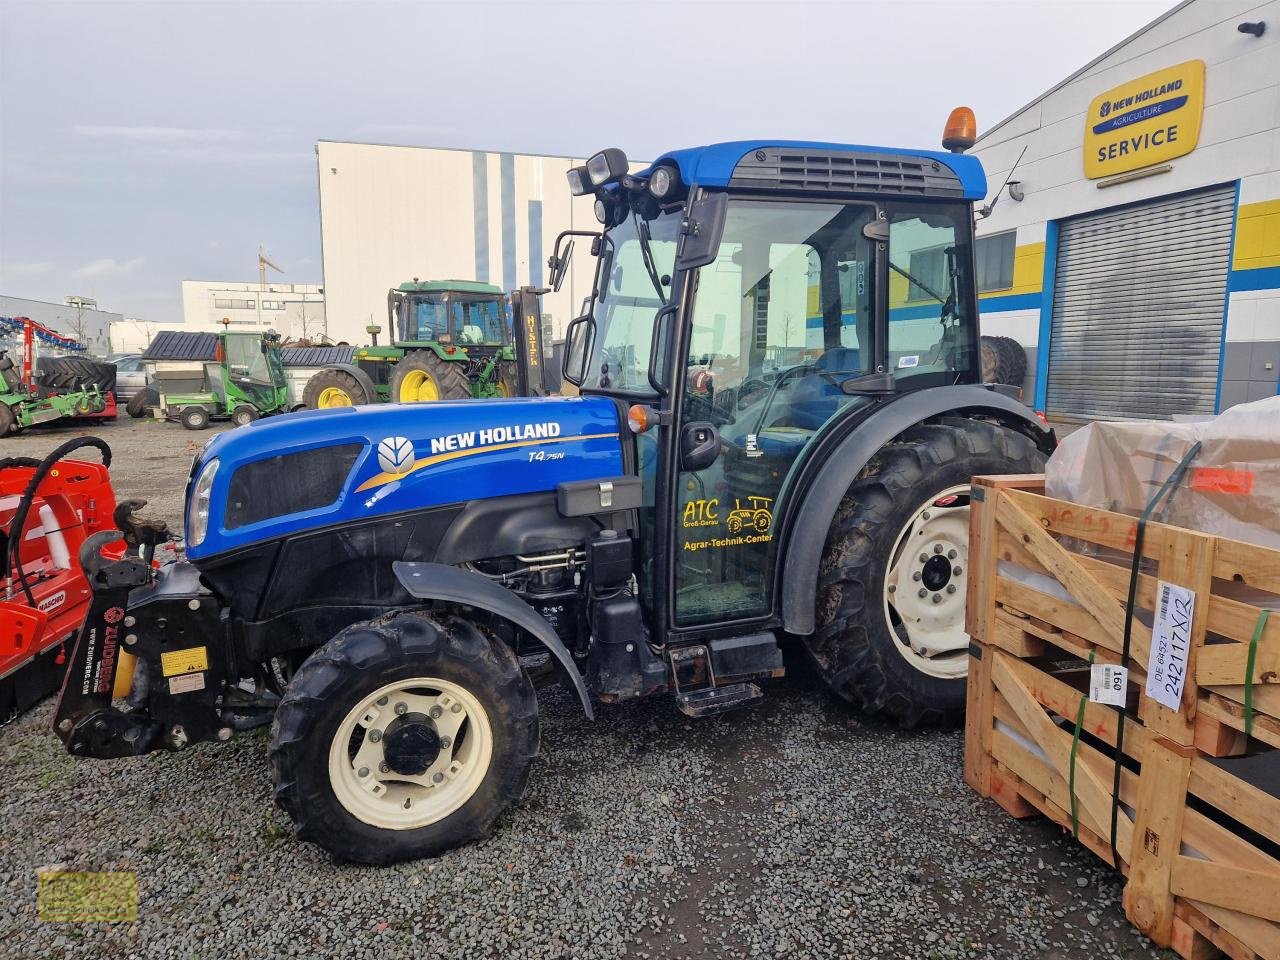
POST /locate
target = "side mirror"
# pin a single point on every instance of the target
(877, 230)
(702, 228)
(562, 254)
(577, 342)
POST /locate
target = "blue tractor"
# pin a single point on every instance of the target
(781, 409)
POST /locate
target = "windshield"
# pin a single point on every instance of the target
(636, 283)
(423, 317)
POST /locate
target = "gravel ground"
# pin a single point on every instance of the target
(792, 829)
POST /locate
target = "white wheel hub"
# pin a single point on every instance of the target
(924, 588)
(410, 753)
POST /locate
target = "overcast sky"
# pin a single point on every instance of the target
(146, 143)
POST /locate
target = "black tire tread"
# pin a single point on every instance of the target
(451, 375)
(852, 644)
(324, 379)
(376, 648)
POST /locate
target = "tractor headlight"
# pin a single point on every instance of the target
(579, 182)
(602, 211)
(198, 509)
(606, 166)
(662, 182)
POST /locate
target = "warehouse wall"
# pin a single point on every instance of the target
(1239, 143)
(389, 214)
(96, 324)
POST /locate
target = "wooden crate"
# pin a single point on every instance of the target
(1198, 822)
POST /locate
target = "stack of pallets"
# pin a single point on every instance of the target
(1195, 823)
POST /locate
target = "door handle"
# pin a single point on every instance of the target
(699, 445)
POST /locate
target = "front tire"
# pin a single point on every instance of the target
(404, 737)
(244, 415)
(894, 652)
(140, 403)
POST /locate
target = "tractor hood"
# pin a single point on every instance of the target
(324, 468)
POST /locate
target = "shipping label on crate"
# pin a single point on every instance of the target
(1170, 644)
(1108, 683)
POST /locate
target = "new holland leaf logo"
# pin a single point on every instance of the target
(395, 455)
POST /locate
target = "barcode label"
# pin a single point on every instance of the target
(1170, 644)
(1108, 684)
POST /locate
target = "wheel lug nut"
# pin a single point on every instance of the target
(916, 575)
(925, 515)
(937, 548)
(951, 554)
(436, 713)
(892, 588)
(383, 768)
(951, 588)
(401, 709)
(924, 558)
(922, 593)
(956, 571)
(437, 778)
(445, 743)
(937, 598)
(362, 772)
(456, 708)
(375, 736)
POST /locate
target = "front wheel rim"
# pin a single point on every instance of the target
(359, 764)
(924, 588)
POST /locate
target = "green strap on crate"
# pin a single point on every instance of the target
(1261, 625)
(1075, 747)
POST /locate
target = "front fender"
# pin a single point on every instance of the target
(437, 581)
(825, 488)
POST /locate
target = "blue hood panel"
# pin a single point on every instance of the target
(417, 455)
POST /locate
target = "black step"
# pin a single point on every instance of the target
(713, 700)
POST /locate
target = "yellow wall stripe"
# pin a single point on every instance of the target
(1257, 236)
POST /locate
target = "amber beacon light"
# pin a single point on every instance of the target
(961, 130)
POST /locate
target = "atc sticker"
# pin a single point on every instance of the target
(395, 455)
(911, 360)
(189, 660)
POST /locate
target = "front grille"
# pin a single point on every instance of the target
(836, 171)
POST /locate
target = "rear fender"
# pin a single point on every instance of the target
(826, 485)
(362, 378)
(437, 581)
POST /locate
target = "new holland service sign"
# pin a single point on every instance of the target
(1149, 120)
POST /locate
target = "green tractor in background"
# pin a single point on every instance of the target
(198, 377)
(450, 340)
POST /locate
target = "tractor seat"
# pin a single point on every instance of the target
(814, 397)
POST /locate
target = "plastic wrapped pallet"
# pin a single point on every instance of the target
(1232, 488)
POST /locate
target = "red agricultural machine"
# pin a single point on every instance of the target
(48, 509)
(54, 385)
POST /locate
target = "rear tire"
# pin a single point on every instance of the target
(333, 388)
(1003, 361)
(421, 376)
(321, 739)
(863, 646)
(140, 403)
(7, 419)
(194, 418)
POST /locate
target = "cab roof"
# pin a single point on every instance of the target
(445, 286)
(714, 165)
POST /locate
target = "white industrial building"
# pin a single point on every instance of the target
(391, 214)
(293, 310)
(1136, 255)
(76, 317)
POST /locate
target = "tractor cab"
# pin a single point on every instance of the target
(753, 303)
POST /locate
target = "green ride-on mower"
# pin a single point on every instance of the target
(196, 378)
(781, 410)
(450, 340)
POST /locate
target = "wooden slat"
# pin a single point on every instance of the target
(1162, 802)
(1247, 563)
(1226, 704)
(1250, 892)
(1101, 527)
(1256, 809)
(1186, 559)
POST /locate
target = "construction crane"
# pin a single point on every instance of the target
(263, 263)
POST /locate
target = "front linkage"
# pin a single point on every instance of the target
(164, 635)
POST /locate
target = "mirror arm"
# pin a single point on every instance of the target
(659, 321)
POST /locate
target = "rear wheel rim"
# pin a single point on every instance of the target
(418, 386)
(359, 769)
(334, 397)
(924, 588)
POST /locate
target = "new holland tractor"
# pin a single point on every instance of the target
(781, 409)
(450, 340)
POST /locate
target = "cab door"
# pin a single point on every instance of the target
(776, 324)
